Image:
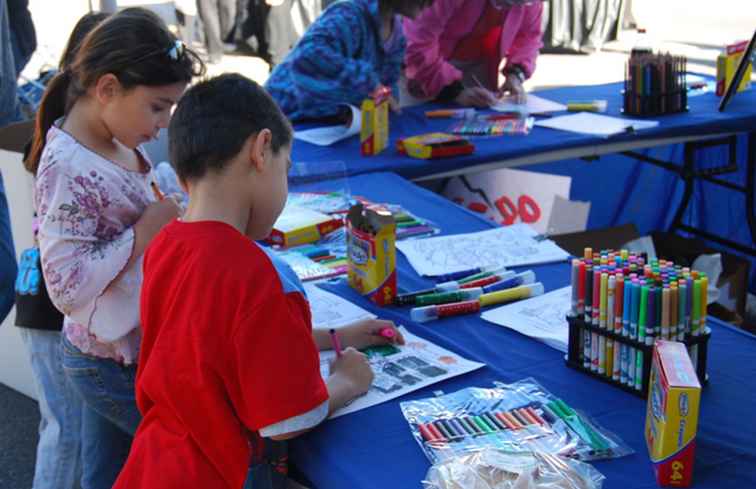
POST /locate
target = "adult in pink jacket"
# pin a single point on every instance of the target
(455, 48)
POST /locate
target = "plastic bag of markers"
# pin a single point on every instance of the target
(512, 417)
(490, 468)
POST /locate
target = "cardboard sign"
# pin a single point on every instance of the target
(510, 196)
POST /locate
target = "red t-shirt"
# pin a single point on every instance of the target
(227, 349)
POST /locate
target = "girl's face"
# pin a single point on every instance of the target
(135, 116)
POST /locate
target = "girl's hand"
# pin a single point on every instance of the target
(513, 86)
(476, 97)
(157, 215)
(370, 332)
(352, 371)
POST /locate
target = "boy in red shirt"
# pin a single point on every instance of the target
(229, 360)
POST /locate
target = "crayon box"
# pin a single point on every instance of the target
(672, 414)
(434, 145)
(371, 253)
(299, 225)
(375, 122)
(727, 63)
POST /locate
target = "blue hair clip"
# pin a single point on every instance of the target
(177, 50)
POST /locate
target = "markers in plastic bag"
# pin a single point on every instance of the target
(429, 313)
(523, 278)
(509, 295)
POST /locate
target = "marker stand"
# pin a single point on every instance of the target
(575, 353)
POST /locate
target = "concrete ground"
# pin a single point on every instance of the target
(695, 28)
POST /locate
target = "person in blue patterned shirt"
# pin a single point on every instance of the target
(353, 48)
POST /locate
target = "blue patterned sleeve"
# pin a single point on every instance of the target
(326, 65)
(392, 68)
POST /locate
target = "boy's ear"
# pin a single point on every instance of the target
(107, 87)
(259, 147)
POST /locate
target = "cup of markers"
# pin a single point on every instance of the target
(468, 292)
(622, 303)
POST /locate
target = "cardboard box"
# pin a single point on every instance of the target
(375, 123)
(672, 414)
(371, 253)
(727, 63)
(435, 145)
(299, 225)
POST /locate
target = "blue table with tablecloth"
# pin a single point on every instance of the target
(373, 448)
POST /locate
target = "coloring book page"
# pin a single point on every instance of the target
(509, 246)
(400, 369)
(331, 311)
(542, 318)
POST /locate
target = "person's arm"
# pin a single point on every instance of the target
(528, 41)
(325, 68)
(359, 334)
(426, 69)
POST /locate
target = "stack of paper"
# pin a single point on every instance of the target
(596, 124)
(543, 317)
(509, 246)
(533, 105)
(326, 136)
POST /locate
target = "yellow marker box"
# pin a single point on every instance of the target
(374, 133)
(672, 414)
(727, 63)
(371, 253)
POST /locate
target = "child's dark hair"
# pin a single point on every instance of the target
(84, 26)
(396, 5)
(215, 118)
(135, 46)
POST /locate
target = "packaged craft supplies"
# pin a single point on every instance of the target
(371, 252)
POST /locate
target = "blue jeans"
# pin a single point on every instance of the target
(8, 266)
(8, 101)
(58, 451)
(110, 416)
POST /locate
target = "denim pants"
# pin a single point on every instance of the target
(8, 101)
(58, 451)
(110, 414)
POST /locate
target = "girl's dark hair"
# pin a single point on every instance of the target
(135, 46)
(83, 27)
(398, 5)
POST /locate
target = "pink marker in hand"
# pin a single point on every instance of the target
(335, 342)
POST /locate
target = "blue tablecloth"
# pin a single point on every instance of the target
(318, 163)
(373, 448)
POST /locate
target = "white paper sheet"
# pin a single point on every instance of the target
(541, 318)
(417, 364)
(326, 136)
(331, 311)
(508, 246)
(595, 124)
(533, 105)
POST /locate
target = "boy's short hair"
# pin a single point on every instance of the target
(215, 118)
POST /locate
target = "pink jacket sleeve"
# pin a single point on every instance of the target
(426, 69)
(528, 41)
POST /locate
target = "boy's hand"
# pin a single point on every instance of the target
(353, 369)
(370, 332)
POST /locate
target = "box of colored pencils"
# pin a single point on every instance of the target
(514, 417)
(621, 303)
(371, 253)
(488, 126)
(655, 84)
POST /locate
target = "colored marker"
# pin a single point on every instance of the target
(156, 190)
(673, 311)
(460, 427)
(626, 308)
(429, 313)
(510, 295)
(387, 333)
(619, 297)
(581, 289)
(634, 309)
(651, 324)
(460, 275)
(447, 297)
(575, 287)
(595, 317)
(603, 297)
(682, 304)
(666, 313)
(426, 433)
(335, 343)
(522, 278)
(588, 292)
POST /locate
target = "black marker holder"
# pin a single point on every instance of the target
(575, 353)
